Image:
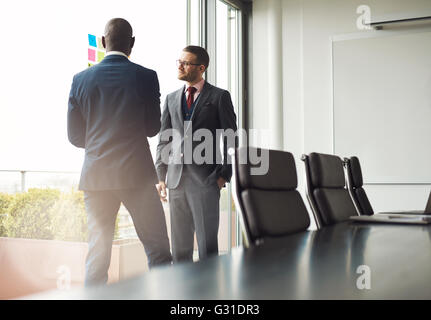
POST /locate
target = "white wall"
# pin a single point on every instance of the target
(307, 28)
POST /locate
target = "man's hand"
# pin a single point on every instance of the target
(161, 189)
(221, 182)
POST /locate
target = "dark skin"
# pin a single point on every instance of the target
(118, 36)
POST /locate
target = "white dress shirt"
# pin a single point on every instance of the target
(117, 53)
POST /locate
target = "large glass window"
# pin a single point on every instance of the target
(45, 43)
(220, 33)
(194, 22)
(227, 76)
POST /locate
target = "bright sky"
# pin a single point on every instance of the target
(44, 43)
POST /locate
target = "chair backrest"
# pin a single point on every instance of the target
(428, 206)
(326, 192)
(355, 186)
(269, 204)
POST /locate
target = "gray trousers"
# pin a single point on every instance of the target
(194, 208)
(146, 211)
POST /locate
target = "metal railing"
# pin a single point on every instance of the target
(63, 180)
(24, 175)
(22, 180)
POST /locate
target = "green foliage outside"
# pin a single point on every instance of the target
(69, 219)
(5, 200)
(28, 214)
(44, 214)
(224, 203)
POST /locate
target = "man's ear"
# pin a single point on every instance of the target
(103, 42)
(132, 42)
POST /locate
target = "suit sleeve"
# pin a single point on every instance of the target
(227, 121)
(152, 123)
(76, 125)
(161, 165)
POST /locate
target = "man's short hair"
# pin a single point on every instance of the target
(118, 32)
(201, 54)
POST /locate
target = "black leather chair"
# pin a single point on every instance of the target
(355, 186)
(326, 192)
(269, 204)
(428, 206)
(358, 194)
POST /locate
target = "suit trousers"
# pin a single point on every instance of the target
(194, 208)
(148, 218)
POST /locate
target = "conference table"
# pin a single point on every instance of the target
(348, 260)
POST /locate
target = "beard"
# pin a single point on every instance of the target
(188, 76)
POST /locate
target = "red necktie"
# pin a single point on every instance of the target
(191, 91)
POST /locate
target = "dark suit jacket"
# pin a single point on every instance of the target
(113, 107)
(213, 110)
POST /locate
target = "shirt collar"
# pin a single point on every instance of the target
(198, 86)
(116, 53)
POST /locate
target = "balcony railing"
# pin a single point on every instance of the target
(14, 181)
(18, 180)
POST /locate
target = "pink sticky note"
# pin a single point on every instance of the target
(91, 55)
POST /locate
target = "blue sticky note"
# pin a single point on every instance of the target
(92, 40)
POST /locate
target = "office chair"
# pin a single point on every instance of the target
(359, 196)
(329, 199)
(428, 206)
(269, 205)
(355, 186)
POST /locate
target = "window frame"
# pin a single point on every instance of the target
(208, 39)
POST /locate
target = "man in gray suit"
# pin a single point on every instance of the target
(113, 107)
(194, 186)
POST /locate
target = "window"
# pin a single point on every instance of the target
(221, 36)
(227, 76)
(46, 49)
(45, 45)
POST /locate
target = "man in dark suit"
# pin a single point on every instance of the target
(194, 186)
(113, 107)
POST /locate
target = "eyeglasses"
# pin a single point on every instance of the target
(186, 63)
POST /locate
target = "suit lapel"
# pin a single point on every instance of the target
(179, 106)
(203, 97)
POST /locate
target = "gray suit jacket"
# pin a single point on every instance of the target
(113, 107)
(213, 110)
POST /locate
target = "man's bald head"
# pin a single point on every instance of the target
(118, 36)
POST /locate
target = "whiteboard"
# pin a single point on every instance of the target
(382, 105)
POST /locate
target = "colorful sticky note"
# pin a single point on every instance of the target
(100, 55)
(91, 55)
(92, 40)
(99, 44)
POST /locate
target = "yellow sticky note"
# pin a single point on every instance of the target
(100, 55)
